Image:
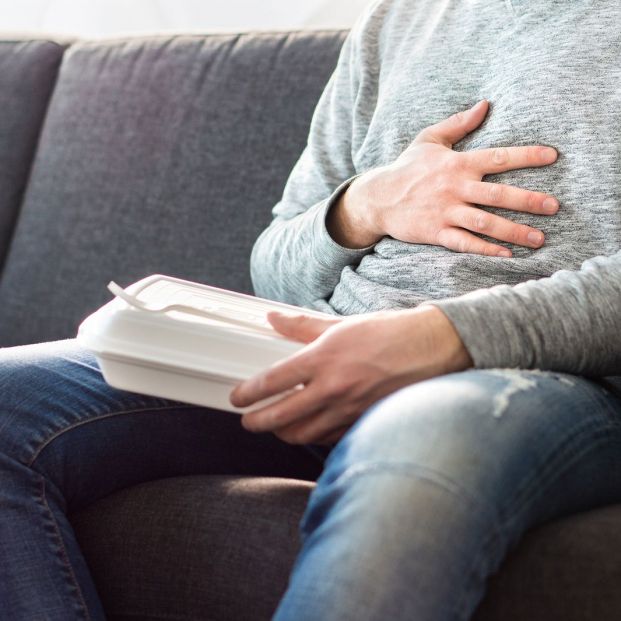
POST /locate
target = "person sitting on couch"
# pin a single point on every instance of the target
(458, 391)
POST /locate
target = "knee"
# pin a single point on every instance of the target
(27, 368)
(466, 432)
(440, 418)
(38, 384)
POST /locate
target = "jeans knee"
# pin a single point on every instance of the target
(471, 430)
(408, 502)
(415, 423)
(40, 385)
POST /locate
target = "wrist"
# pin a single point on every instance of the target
(450, 353)
(349, 221)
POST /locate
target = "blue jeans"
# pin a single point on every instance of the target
(414, 508)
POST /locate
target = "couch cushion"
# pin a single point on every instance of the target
(28, 72)
(213, 548)
(158, 155)
(567, 570)
(221, 548)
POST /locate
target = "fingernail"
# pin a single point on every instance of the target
(504, 253)
(535, 238)
(550, 205)
(549, 155)
(479, 105)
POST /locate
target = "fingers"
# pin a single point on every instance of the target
(282, 376)
(485, 223)
(456, 127)
(508, 197)
(460, 240)
(289, 410)
(304, 328)
(502, 159)
(324, 428)
(332, 438)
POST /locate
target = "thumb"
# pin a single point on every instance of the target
(303, 328)
(456, 127)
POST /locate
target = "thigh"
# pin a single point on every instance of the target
(421, 499)
(527, 445)
(60, 418)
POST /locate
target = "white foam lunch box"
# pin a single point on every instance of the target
(185, 341)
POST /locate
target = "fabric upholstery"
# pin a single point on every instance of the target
(229, 544)
(159, 155)
(194, 548)
(567, 570)
(28, 71)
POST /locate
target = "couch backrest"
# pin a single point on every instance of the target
(27, 75)
(157, 155)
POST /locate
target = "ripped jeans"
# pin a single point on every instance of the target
(413, 509)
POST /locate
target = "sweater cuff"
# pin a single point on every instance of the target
(326, 250)
(491, 331)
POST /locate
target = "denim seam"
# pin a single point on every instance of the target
(497, 533)
(64, 557)
(426, 474)
(525, 500)
(98, 417)
(475, 568)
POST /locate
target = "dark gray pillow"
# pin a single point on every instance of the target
(158, 155)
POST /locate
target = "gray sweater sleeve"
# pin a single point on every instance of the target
(295, 260)
(570, 322)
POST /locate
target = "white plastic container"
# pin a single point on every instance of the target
(196, 353)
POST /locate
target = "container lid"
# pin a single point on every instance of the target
(189, 327)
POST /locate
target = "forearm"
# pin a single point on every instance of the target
(297, 261)
(570, 322)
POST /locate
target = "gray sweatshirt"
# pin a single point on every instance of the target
(552, 72)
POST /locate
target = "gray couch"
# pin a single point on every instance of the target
(126, 158)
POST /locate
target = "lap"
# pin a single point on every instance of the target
(60, 417)
(506, 436)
